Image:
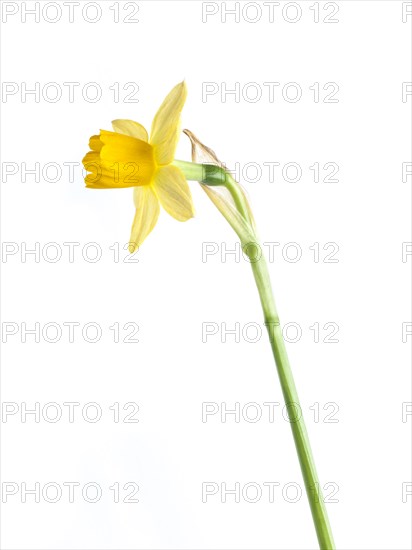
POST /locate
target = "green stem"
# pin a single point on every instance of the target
(290, 394)
(191, 170)
(297, 423)
(214, 175)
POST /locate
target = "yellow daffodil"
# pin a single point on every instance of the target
(127, 157)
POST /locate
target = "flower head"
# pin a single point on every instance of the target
(127, 157)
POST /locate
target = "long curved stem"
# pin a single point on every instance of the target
(290, 394)
(214, 175)
(297, 423)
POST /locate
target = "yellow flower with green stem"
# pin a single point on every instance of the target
(128, 158)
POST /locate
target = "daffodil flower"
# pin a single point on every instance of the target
(127, 157)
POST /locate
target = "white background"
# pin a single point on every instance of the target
(170, 290)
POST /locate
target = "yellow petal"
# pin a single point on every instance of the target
(90, 157)
(130, 128)
(102, 178)
(130, 160)
(166, 125)
(119, 147)
(147, 212)
(95, 143)
(174, 194)
(117, 161)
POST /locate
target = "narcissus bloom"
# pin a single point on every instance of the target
(128, 158)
